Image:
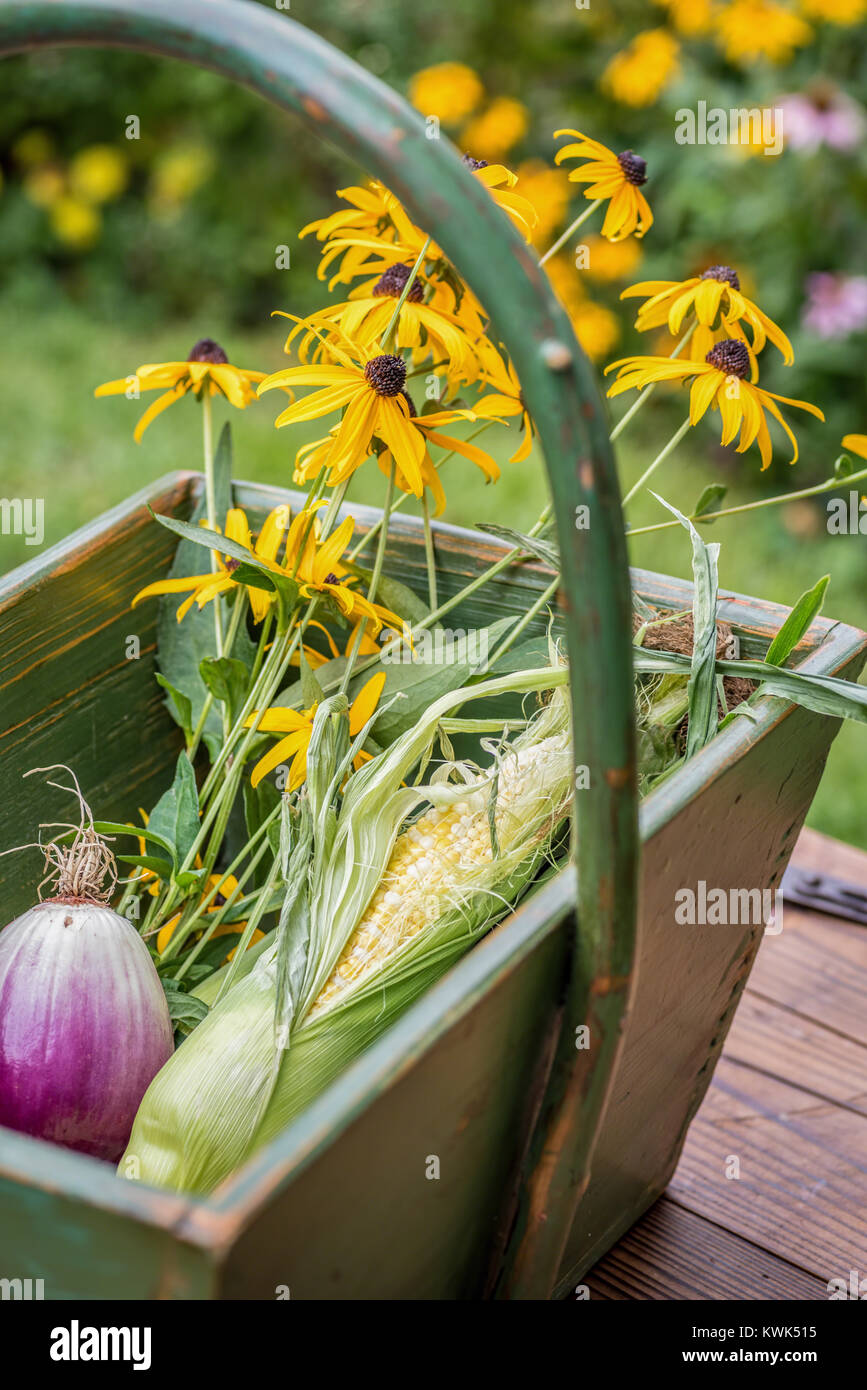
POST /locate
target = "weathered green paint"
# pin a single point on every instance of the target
(297, 71)
(318, 1208)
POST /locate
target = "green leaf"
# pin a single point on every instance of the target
(311, 690)
(545, 551)
(228, 681)
(176, 815)
(143, 832)
(524, 656)
(422, 681)
(703, 718)
(162, 867)
(269, 580)
(183, 708)
(808, 607)
(843, 467)
(710, 499)
(185, 1010)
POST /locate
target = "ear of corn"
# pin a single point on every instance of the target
(437, 887)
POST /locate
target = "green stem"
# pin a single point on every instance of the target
(830, 485)
(573, 227)
(660, 458)
(211, 499)
(392, 323)
(430, 558)
(511, 637)
(375, 577)
(644, 396)
(252, 923)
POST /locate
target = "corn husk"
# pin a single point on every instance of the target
(281, 1032)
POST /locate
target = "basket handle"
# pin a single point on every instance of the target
(293, 68)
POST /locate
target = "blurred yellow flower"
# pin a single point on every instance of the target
(638, 74)
(596, 328)
(178, 173)
(611, 260)
(207, 369)
(692, 17)
(548, 190)
(493, 133)
(33, 147)
(76, 223)
(44, 186)
(448, 90)
(98, 174)
(835, 11)
(612, 178)
(753, 29)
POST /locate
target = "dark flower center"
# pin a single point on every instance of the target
(410, 403)
(386, 374)
(724, 273)
(331, 578)
(206, 350)
(633, 166)
(473, 164)
(232, 564)
(731, 357)
(392, 283)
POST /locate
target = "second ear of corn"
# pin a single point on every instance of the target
(446, 882)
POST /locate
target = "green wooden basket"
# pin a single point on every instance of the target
(548, 1152)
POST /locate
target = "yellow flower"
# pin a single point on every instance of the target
(447, 90)
(98, 174)
(835, 11)
(753, 29)
(428, 427)
(719, 306)
(608, 261)
(369, 386)
(612, 177)
(596, 328)
(508, 400)
(206, 369)
(427, 328)
(355, 231)
(44, 186)
(496, 130)
(227, 884)
(494, 176)
(297, 726)
(317, 567)
(548, 191)
(857, 443)
(719, 381)
(178, 174)
(638, 74)
(202, 588)
(75, 222)
(691, 17)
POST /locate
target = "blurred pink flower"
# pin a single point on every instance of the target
(822, 116)
(837, 304)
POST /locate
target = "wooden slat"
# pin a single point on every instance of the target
(675, 1254)
(819, 1060)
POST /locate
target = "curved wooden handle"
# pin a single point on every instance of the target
(291, 67)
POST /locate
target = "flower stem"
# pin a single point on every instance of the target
(211, 500)
(829, 485)
(573, 227)
(644, 396)
(660, 457)
(375, 577)
(410, 281)
(429, 553)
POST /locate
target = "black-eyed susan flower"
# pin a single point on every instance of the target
(207, 369)
(428, 427)
(226, 885)
(507, 402)
(719, 307)
(719, 381)
(856, 443)
(612, 178)
(297, 728)
(499, 181)
(317, 566)
(202, 588)
(423, 327)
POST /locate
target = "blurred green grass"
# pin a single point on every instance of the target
(78, 452)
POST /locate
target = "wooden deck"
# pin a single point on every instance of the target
(789, 1102)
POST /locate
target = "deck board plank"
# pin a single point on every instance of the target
(789, 1101)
